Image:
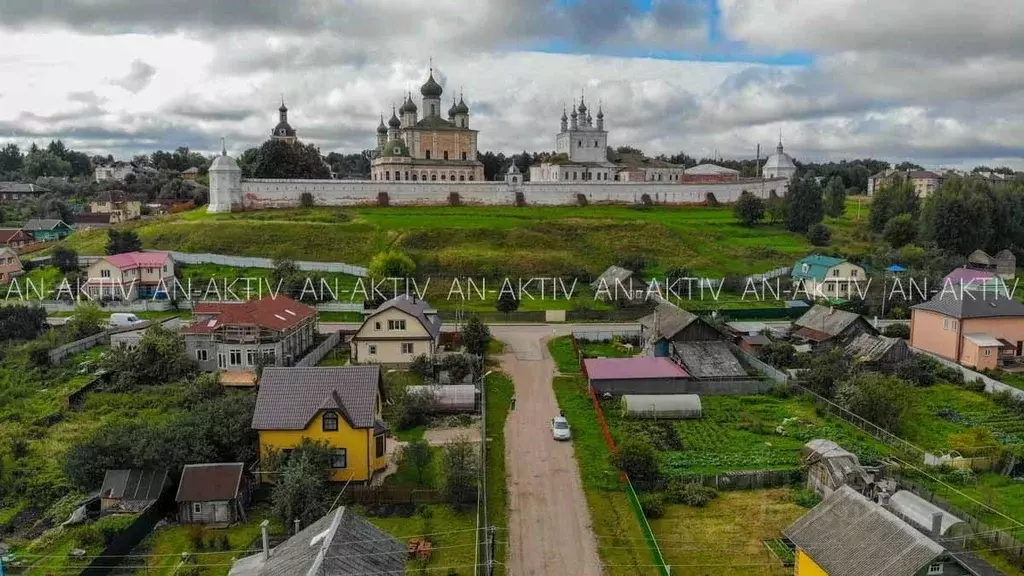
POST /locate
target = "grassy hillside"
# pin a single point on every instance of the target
(489, 241)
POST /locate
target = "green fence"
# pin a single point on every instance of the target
(652, 542)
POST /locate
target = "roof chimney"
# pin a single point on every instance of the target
(266, 539)
(297, 522)
(936, 523)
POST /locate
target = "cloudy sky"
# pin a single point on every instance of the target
(936, 81)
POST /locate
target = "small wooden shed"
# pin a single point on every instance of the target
(131, 491)
(212, 494)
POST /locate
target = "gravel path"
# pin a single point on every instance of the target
(549, 522)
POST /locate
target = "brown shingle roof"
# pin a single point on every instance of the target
(7, 234)
(206, 482)
(289, 398)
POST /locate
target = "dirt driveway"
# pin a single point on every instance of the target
(549, 522)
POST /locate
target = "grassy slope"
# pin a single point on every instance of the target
(489, 241)
(500, 390)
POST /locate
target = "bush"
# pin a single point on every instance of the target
(897, 331)
(454, 199)
(1006, 399)
(422, 366)
(39, 354)
(581, 200)
(805, 498)
(195, 535)
(694, 494)
(637, 458)
(383, 199)
(653, 505)
(976, 385)
(646, 200)
(749, 209)
(963, 477)
(710, 199)
(306, 200)
(520, 199)
(819, 234)
(916, 370)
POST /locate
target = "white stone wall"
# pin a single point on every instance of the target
(270, 193)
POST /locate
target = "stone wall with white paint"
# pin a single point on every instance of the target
(270, 193)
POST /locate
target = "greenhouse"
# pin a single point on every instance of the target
(667, 406)
(449, 398)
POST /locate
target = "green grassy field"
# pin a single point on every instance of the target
(488, 241)
(727, 537)
(740, 433)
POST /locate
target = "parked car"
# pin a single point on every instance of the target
(120, 319)
(560, 428)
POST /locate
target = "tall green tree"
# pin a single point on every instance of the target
(461, 469)
(476, 336)
(301, 487)
(279, 159)
(880, 399)
(121, 241)
(159, 358)
(40, 163)
(11, 159)
(835, 197)
(890, 200)
(392, 264)
(803, 204)
(749, 209)
(65, 259)
(958, 217)
(900, 230)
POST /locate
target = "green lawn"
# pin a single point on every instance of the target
(48, 554)
(487, 241)
(605, 350)
(727, 537)
(564, 355)
(165, 545)
(941, 411)
(453, 537)
(500, 390)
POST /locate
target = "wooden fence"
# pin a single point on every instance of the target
(317, 354)
(748, 479)
(376, 495)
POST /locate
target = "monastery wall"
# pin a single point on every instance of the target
(270, 193)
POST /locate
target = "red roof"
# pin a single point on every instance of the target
(8, 234)
(276, 313)
(132, 260)
(632, 368)
(206, 482)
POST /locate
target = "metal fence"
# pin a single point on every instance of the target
(645, 527)
(626, 334)
(767, 369)
(317, 354)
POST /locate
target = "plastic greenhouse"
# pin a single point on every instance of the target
(449, 398)
(667, 406)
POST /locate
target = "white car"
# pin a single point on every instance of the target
(560, 428)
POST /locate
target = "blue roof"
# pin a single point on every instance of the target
(817, 267)
(896, 268)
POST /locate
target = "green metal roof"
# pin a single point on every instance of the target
(817, 267)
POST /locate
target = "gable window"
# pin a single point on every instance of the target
(835, 272)
(381, 445)
(104, 273)
(376, 325)
(201, 355)
(396, 324)
(339, 458)
(935, 568)
(197, 507)
(330, 422)
(407, 348)
(988, 351)
(373, 349)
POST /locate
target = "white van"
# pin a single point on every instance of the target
(120, 319)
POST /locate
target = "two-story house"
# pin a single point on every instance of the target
(15, 237)
(130, 276)
(396, 332)
(819, 276)
(47, 229)
(10, 264)
(981, 329)
(339, 405)
(118, 204)
(925, 182)
(234, 337)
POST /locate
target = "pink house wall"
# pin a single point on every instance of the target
(927, 334)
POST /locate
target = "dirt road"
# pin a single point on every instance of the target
(549, 522)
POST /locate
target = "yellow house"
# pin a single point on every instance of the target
(339, 405)
(118, 204)
(397, 332)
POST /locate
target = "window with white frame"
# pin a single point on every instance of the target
(197, 508)
(407, 348)
(104, 273)
(935, 568)
(251, 356)
(201, 355)
(373, 349)
(396, 324)
(235, 357)
(988, 351)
